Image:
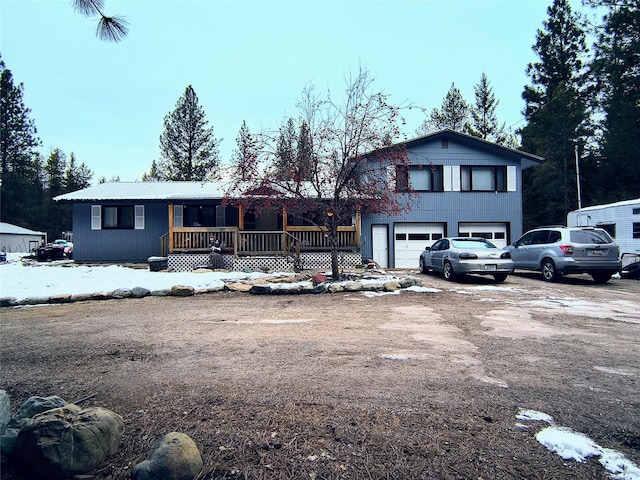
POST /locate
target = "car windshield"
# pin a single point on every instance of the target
(462, 244)
(598, 237)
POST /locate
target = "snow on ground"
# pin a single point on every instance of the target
(576, 446)
(66, 278)
(34, 280)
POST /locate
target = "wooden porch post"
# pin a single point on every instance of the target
(170, 227)
(358, 227)
(284, 219)
(284, 230)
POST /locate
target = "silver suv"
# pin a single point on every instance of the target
(557, 251)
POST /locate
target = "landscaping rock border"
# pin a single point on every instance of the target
(269, 286)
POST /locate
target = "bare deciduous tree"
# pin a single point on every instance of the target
(344, 161)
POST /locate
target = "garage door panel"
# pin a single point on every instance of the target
(496, 233)
(411, 239)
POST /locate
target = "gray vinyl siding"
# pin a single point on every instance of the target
(118, 246)
(453, 207)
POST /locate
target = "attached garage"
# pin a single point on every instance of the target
(410, 239)
(496, 233)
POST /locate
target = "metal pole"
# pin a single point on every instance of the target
(578, 180)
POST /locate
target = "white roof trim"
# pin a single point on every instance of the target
(113, 191)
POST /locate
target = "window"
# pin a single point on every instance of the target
(636, 230)
(120, 217)
(117, 217)
(199, 216)
(635, 211)
(420, 178)
(483, 179)
(610, 228)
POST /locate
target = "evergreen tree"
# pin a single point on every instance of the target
(616, 67)
(21, 174)
(76, 176)
(58, 215)
(304, 153)
(285, 161)
(484, 120)
(556, 116)
(188, 149)
(453, 114)
(244, 158)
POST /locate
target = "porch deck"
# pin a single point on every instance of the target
(238, 242)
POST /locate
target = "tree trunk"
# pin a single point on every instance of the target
(333, 240)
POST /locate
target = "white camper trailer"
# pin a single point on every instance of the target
(620, 219)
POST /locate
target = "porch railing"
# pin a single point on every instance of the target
(245, 242)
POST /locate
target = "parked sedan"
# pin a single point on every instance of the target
(463, 255)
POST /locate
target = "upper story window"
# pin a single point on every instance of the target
(483, 179)
(420, 178)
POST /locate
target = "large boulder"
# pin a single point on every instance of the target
(32, 407)
(176, 457)
(68, 441)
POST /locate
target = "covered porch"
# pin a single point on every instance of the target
(268, 235)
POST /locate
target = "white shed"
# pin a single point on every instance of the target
(17, 239)
(620, 219)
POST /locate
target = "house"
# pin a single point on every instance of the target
(620, 219)
(17, 239)
(456, 185)
(124, 222)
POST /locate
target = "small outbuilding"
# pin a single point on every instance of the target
(17, 239)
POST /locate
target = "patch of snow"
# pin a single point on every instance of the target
(418, 289)
(568, 444)
(576, 446)
(370, 294)
(534, 416)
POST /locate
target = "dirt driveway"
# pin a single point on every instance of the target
(414, 385)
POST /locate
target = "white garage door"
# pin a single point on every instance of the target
(496, 233)
(411, 239)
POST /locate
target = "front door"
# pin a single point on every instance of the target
(380, 244)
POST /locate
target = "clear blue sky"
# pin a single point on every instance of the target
(249, 60)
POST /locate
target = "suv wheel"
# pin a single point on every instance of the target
(548, 269)
(601, 277)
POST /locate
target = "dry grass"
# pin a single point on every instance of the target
(315, 398)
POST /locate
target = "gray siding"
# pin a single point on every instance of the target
(118, 246)
(453, 207)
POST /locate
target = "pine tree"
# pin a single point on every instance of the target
(285, 161)
(453, 114)
(244, 158)
(21, 174)
(616, 67)
(484, 120)
(556, 116)
(76, 176)
(188, 149)
(111, 29)
(58, 215)
(304, 153)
